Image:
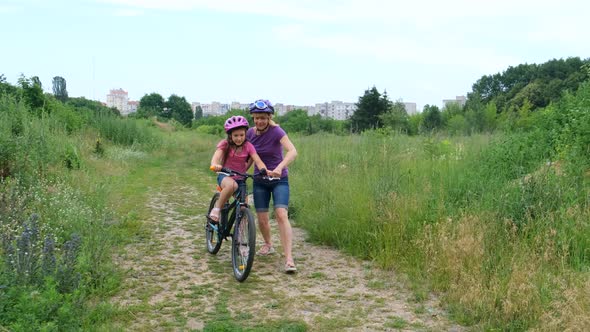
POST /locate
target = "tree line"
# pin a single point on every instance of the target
(505, 101)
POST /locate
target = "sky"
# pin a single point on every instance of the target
(295, 52)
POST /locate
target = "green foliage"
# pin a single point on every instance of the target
(297, 121)
(396, 118)
(150, 105)
(32, 92)
(83, 105)
(369, 107)
(457, 125)
(432, 118)
(98, 148)
(127, 132)
(59, 88)
(540, 84)
(179, 109)
(198, 112)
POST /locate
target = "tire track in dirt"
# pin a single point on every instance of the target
(171, 283)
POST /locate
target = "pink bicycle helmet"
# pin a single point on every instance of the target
(235, 122)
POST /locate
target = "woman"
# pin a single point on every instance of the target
(270, 140)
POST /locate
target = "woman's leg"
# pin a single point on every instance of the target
(285, 233)
(264, 226)
(280, 196)
(261, 195)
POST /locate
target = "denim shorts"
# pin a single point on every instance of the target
(278, 189)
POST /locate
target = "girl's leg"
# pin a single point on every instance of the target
(228, 186)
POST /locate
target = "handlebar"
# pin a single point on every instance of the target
(230, 172)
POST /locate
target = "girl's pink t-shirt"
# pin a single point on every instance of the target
(237, 161)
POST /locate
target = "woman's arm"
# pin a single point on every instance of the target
(289, 156)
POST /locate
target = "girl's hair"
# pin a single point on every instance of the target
(231, 143)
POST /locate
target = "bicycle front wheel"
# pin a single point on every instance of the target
(243, 245)
(212, 231)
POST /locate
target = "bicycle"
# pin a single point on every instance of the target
(243, 233)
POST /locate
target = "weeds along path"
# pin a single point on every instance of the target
(171, 283)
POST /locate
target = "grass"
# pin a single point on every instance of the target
(501, 234)
(479, 219)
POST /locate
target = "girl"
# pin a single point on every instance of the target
(233, 153)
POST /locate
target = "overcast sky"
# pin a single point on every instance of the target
(292, 51)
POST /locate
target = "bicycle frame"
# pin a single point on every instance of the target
(232, 211)
(236, 221)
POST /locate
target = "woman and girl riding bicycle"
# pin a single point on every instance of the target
(263, 145)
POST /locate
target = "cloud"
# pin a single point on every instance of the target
(7, 9)
(393, 47)
(128, 12)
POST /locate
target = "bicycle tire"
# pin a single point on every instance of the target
(211, 234)
(243, 245)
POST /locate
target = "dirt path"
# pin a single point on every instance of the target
(172, 284)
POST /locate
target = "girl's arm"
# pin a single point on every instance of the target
(289, 156)
(216, 160)
(256, 158)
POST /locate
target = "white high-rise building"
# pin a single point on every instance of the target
(119, 99)
(459, 100)
(338, 110)
(410, 108)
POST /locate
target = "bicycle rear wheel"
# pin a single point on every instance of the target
(243, 245)
(212, 231)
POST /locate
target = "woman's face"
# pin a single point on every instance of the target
(261, 120)
(238, 136)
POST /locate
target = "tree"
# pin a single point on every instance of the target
(59, 88)
(150, 105)
(396, 117)
(32, 92)
(369, 107)
(490, 114)
(5, 87)
(179, 109)
(432, 117)
(198, 112)
(296, 121)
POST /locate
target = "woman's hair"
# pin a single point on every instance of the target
(271, 122)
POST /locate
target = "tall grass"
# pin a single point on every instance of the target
(486, 220)
(57, 229)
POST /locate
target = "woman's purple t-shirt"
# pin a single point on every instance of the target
(268, 146)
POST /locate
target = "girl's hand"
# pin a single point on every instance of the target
(215, 167)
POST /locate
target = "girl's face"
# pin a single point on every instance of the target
(261, 120)
(238, 136)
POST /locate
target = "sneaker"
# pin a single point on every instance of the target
(266, 249)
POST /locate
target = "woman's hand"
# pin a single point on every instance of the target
(215, 167)
(275, 173)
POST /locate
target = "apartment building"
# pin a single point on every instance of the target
(410, 108)
(118, 98)
(460, 100)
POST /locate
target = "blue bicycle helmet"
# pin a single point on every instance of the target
(262, 106)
